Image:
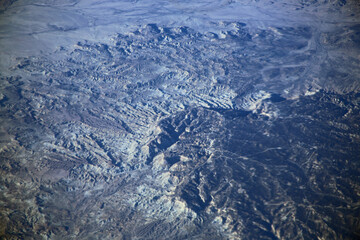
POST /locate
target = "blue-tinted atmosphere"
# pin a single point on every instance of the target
(161, 120)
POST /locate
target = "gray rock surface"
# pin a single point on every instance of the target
(179, 120)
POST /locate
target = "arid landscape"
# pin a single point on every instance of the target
(180, 120)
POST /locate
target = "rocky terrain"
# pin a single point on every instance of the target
(134, 120)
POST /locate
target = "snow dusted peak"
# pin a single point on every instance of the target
(253, 101)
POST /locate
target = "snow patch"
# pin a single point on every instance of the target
(253, 101)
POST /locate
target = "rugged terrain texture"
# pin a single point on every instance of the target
(239, 130)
